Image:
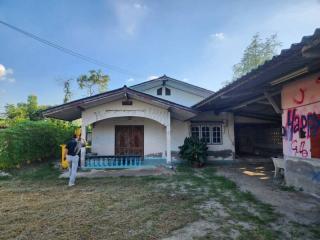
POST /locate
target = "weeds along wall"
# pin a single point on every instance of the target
(30, 141)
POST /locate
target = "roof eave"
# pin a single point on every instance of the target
(76, 107)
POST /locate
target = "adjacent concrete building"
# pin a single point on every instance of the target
(301, 132)
(276, 110)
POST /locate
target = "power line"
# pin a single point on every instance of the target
(69, 51)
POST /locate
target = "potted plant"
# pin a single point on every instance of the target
(194, 150)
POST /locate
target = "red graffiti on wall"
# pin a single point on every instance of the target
(301, 149)
(299, 101)
(306, 124)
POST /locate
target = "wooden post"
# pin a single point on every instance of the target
(83, 149)
(272, 103)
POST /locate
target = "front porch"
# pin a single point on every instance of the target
(127, 142)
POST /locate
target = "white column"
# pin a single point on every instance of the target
(83, 149)
(168, 129)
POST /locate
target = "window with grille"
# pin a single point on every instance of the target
(205, 134)
(210, 133)
(159, 91)
(168, 91)
(195, 131)
(216, 135)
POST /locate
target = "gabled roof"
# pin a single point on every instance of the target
(168, 81)
(299, 60)
(72, 110)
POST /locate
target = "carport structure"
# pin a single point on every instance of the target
(255, 98)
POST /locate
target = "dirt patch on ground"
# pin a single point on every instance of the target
(196, 229)
(257, 178)
(191, 204)
(228, 214)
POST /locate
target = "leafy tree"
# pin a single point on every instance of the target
(67, 90)
(94, 79)
(32, 107)
(16, 112)
(256, 53)
(29, 110)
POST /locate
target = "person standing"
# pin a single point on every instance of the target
(73, 159)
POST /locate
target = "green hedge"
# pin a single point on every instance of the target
(31, 141)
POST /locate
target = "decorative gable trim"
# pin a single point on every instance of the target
(173, 83)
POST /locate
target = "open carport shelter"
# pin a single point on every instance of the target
(283, 98)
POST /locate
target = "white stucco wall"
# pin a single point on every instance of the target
(177, 96)
(154, 119)
(179, 131)
(226, 150)
(103, 135)
(106, 116)
(116, 109)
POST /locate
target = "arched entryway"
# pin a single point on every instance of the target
(131, 135)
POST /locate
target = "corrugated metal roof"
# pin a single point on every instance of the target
(288, 61)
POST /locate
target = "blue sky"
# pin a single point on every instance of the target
(194, 41)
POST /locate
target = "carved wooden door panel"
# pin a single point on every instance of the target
(129, 140)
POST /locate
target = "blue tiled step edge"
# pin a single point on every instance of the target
(112, 162)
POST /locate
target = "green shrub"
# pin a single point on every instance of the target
(30, 141)
(194, 150)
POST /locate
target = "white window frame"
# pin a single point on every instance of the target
(204, 134)
(211, 126)
(198, 132)
(212, 135)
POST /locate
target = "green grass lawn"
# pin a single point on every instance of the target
(35, 204)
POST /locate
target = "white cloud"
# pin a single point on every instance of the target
(2, 70)
(152, 77)
(6, 74)
(130, 15)
(130, 80)
(139, 6)
(185, 79)
(219, 36)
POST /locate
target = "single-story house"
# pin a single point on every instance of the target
(150, 119)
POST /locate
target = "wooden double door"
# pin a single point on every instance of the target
(129, 140)
(315, 137)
